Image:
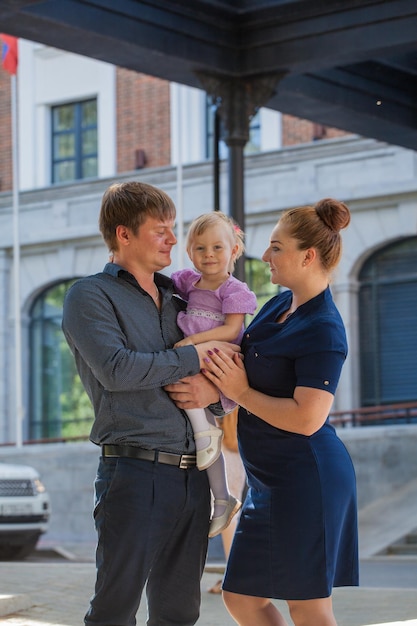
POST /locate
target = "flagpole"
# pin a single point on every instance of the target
(16, 266)
(180, 208)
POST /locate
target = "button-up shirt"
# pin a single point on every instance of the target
(123, 349)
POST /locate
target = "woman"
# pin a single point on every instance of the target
(297, 534)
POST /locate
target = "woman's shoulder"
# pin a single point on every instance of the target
(279, 301)
(325, 330)
(327, 312)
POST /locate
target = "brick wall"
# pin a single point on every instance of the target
(143, 120)
(6, 181)
(296, 131)
(143, 124)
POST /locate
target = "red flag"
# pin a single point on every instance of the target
(9, 53)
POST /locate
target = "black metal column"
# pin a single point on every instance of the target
(216, 160)
(238, 99)
(236, 186)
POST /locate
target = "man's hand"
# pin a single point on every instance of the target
(193, 392)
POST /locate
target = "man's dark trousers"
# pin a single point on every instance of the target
(152, 522)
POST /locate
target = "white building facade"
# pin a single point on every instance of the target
(375, 286)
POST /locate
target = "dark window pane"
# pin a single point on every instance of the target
(64, 117)
(253, 145)
(74, 141)
(258, 277)
(89, 113)
(64, 146)
(89, 167)
(64, 171)
(59, 406)
(89, 141)
(388, 332)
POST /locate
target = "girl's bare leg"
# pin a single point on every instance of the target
(251, 611)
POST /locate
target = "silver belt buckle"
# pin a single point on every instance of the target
(185, 461)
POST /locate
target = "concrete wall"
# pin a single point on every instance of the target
(384, 459)
(67, 471)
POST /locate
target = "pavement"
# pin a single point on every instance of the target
(53, 586)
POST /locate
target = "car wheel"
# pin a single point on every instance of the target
(14, 552)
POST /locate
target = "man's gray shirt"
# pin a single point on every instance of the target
(123, 351)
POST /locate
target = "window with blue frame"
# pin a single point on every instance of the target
(74, 141)
(258, 278)
(59, 406)
(253, 145)
(387, 325)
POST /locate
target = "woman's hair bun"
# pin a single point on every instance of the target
(333, 213)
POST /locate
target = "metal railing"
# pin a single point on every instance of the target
(401, 413)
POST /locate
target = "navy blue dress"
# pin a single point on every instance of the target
(297, 534)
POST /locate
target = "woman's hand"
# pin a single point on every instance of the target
(228, 374)
(304, 413)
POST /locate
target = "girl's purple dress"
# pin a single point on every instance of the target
(207, 309)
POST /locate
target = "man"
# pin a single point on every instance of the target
(152, 505)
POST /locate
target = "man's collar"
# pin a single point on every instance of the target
(117, 270)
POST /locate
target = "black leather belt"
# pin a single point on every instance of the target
(183, 461)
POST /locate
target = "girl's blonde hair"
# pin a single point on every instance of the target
(216, 218)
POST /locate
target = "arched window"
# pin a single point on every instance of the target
(258, 278)
(59, 406)
(388, 325)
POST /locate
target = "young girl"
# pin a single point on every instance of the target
(217, 304)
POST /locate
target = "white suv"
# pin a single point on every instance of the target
(24, 510)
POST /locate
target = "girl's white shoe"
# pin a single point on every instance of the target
(206, 456)
(218, 524)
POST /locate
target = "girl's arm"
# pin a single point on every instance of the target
(229, 331)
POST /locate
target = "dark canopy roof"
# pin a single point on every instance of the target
(350, 64)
